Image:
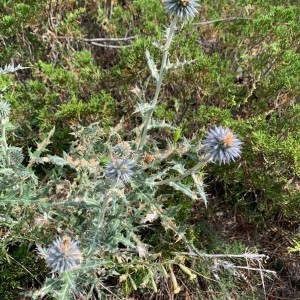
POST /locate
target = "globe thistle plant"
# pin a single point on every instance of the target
(62, 255)
(183, 9)
(120, 170)
(222, 145)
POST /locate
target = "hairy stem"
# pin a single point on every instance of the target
(171, 32)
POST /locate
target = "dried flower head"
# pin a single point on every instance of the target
(120, 170)
(4, 109)
(148, 158)
(62, 255)
(183, 9)
(222, 145)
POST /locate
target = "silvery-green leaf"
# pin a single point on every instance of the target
(152, 66)
(11, 68)
(184, 189)
(160, 124)
(143, 107)
(4, 109)
(200, 187)
(126, 242)
(157, 45)
(57, 160)
(178, 64)
(179, 168)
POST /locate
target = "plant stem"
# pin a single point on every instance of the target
(171, 32)
(187, 173)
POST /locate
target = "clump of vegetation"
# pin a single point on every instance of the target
(132, 157)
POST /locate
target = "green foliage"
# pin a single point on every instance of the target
(241, 73)
(15, 268)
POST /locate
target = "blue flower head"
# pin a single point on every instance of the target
(120, 170)
(183, 9)
(222, 145)
(62, 255)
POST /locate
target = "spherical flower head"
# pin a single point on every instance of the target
(222, 145)
(120, 170)
(63, 255)
(183, 9)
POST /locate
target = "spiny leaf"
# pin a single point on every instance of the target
(10, 69)
(152, 66)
